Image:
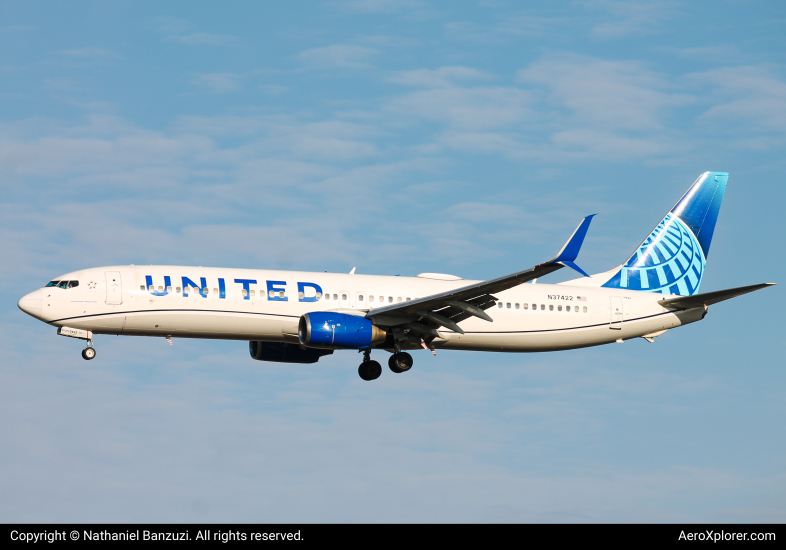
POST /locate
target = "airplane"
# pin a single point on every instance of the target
(299, 317)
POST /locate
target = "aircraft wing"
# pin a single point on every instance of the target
(449, 308)
(709, 298)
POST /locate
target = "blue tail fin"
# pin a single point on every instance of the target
(672, 259)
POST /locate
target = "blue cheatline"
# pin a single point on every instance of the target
(672, 259)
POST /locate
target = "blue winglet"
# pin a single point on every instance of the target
(574, 267)
(570, 251)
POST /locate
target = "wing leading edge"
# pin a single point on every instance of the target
(447, 309)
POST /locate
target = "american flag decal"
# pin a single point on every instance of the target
(581, 298)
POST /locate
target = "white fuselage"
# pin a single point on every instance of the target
(528, 318)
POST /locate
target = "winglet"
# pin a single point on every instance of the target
(570, 251)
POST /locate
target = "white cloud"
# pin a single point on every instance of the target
(217, 82)
(444, 76)
(753, 95)
(630, 17)
(175, 29)
(607, 94)
(338, 55)
(378, 6)
(87, 53)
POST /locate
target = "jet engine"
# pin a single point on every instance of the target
(280, 352)
(324, 329)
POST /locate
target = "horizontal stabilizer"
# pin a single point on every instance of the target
(709, 298)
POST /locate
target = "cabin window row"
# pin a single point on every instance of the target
(371, 298)
(509, 305)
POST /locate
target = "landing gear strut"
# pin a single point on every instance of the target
(400, 362)
(368, 369)
(89, 352)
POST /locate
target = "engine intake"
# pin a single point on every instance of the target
(324, 329)
(280, 352)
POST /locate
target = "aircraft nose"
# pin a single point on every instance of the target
(31, 303)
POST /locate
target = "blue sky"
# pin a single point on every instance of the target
(398, 137)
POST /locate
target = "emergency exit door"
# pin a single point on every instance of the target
(114, 288)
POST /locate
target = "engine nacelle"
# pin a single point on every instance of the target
(280, 352)
(323, 329)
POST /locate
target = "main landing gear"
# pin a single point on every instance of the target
(400, 362)
(370, 370)
(89, 352)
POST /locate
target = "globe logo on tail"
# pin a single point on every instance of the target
(669, 261)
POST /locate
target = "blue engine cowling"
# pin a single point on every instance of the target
(280, 352)
(323, 329)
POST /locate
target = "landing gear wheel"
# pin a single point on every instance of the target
(400, 362)
(88, 353)
(392, 364)
(369, 370)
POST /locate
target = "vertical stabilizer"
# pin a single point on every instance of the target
(672, 259)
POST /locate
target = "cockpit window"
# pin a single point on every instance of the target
(63, 284)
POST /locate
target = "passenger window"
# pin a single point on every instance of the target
(407, 298)
(280, 294)
(177, 290)
(161, 289)
(382, 299)
(517, 306)
(585, 309)
(559, 308)
(319, 295)
(542, 307)
(169, 289)
(526, 306)
(327, 296)
(399, 299)
(141, 287)
(335, 296)
(343, 296)
(499, 304)
(215, 291)
(551, 307)
(360, 297)
(567, 308)
(390, 299)
(508, 305)
(252, 292)
(301, 295)
(244, 293)
(371, 298)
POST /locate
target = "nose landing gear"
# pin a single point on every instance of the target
(89, 352)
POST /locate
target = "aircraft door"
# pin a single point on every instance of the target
(114, 288)
(343, 299)
(616, 313)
